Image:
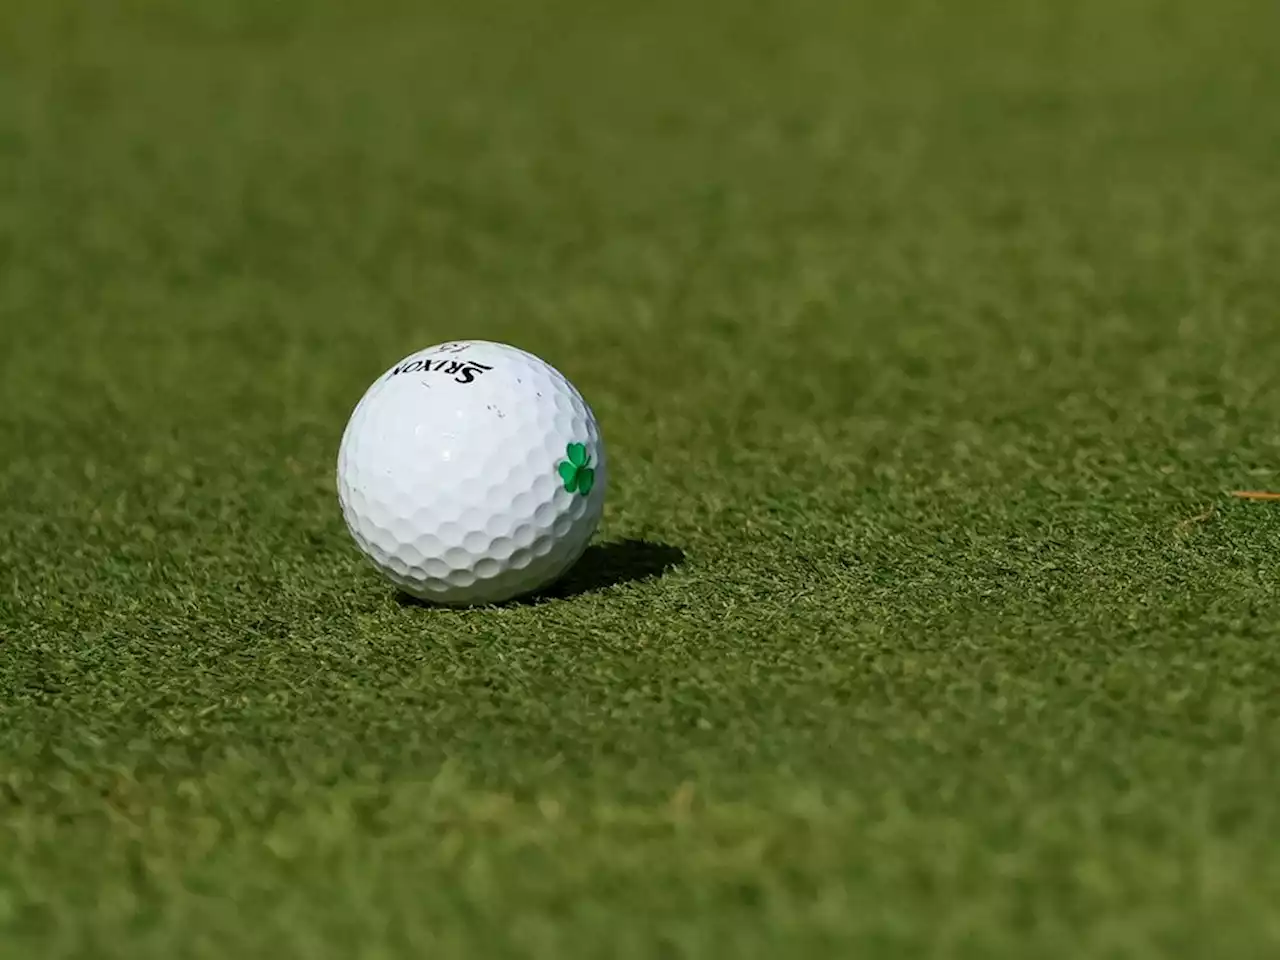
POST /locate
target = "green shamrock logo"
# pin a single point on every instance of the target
(576, 472)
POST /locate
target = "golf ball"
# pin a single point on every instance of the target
(472, 472)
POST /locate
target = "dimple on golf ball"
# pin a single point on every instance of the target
(472, 472)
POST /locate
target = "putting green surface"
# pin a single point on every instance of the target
(927, 341)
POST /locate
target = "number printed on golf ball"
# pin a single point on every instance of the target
(472, 472)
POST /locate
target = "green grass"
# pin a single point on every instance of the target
(926, 339)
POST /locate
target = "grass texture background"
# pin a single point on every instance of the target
(926, 340)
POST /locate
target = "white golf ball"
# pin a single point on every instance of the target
(472, 472)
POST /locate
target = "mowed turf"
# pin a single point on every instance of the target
(927, 341)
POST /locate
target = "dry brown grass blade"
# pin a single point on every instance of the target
(1204, 517)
